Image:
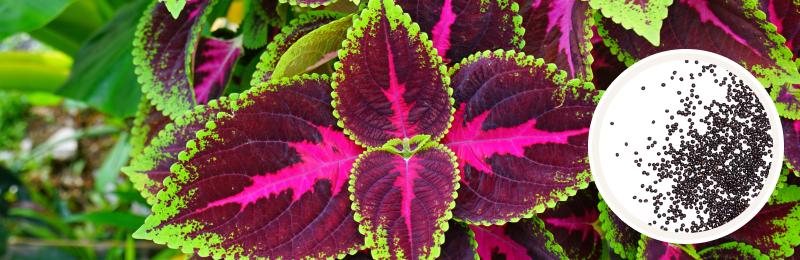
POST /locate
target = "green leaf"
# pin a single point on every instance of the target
(22, 16)
(74, 26)
(116, 159)
(259, 21)
(175, 7)
(132, 196)
(314, 49)
(26, 71)
(644, 16)
(115, 219)
(103, 75)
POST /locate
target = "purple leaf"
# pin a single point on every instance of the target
(298, 28)
(519, 134)
(164, 139)
(213, 67)
(560, 32)
(791, 143)
(388, 83)
(606, 66)
(267, 180)
(774, 230)
(403, 204)
(526, 240)
(786, 100)
(308, 3)
(573, 224)
(459, 243)
(163, 52)
(459, 28)
(732, 250)
(785, 15)
(654, 249)
(260, 19)
(734, 29)
(621, 237)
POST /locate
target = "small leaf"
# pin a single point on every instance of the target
(314, 49)
(459, 28)
(653, 249)
(118, 157)
(785, 15)
(124, 220)
(163, 54)
(621, 237)
(560, 31)
(734, 29)
(214, 63)
(23, 16)
(389, 83)
(403, 204)
(459, 243)
(519, 125)
(572, 224)
(103, 74)
(290, 34)
(266, 180)
(732, 250)
(260, 19)
(644, 16)
(606, 66)
(525, 240)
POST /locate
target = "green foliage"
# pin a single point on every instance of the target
(103, 75)
(313, 50)
(13, 117)
(116, 219)
(118, 158)
(643, 17)
(25, 71)
(22, 16)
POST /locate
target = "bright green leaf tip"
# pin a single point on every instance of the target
(175, 7)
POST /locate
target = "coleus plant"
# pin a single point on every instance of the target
(421, 129)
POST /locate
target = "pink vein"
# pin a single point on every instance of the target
(395, 95)
(560, 14)
(583, 223)
(701, 6)
(406, 183)
(773, 17)
(441, 31)
(672, 252)
(215, 68)
(493, 237)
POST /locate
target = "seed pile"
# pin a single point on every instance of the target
(719, 161)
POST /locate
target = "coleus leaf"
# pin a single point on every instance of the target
(174, 6)
(459, 243)
(606, 66)
(786, 99)
(644, 17)
(785, 15)
(389, 83)
(308, 3)
(526, 240)
(260, 19)
(215, 61)
(157, 140)
(290, 34)
(266, 181)
(732, 250)
(621, 237)
(459, 28)
(163, 54)
(791, 143)
(314, 49)
(403, 203)
(654, 249)
(735, 29)
(774, 230)
(574, 225)
(520, 135)
(560, 32)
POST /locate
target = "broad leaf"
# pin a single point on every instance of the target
(389, 83)
(520, 134)
(621, 237)
(654, 249)
(266, 181)
(787, 99)
(175, 6)
(573, 225)
(606, 66)
(214, 63)
(732, 250)
(243, 71)
(774, 230)
(314, 49)
(260, 19)
(459, 243)
(157, 141)
(459, 28)
(785, 15)
(644, 16)
(791, 143)
(22, 16)
(560, 31)
(403, 204)
(290, 34)
(103, 74)
(163, 53)
(526, 240)
(735, 29)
